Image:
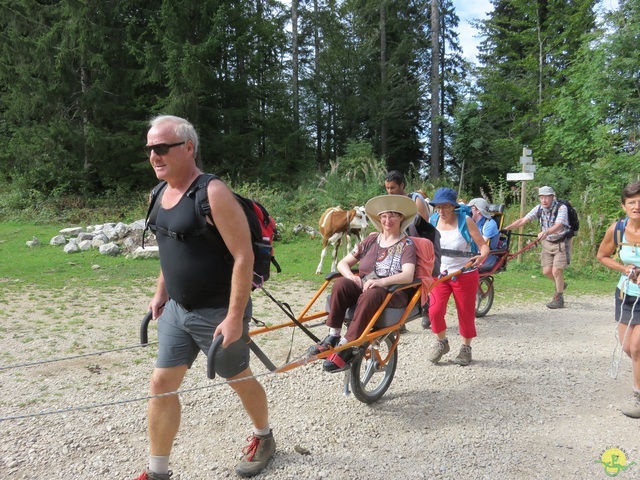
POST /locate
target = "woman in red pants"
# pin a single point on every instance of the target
(458, 234)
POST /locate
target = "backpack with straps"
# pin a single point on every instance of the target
(261, 225)
(423, 229)
(572, 216)
(463, 211)
(618, 231)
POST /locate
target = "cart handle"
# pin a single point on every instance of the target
(524, 249)
(144, 328)
(217, 344)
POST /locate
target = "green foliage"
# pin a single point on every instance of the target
(352, 179)
(524, 62)
(20, 202)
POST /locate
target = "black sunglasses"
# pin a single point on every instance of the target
(161, 148)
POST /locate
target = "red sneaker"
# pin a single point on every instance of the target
(149, 475)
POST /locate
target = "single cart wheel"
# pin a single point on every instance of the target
(373, 370)
(484, 296)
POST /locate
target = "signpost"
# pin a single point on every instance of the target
(519, 177)
(528, 171)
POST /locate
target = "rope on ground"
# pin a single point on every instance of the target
(102, 352)
(94, 406)
(131, 400)
(615, 362)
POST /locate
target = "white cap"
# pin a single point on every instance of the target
(546, 191)
(482, 205)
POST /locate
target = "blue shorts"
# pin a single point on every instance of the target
(183, 333)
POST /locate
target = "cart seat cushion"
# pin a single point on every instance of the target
(484, 268)
(390, 316)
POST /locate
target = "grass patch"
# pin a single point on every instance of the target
(48, 267)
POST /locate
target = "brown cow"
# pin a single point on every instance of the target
(335, 223)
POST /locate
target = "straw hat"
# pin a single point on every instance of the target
(391, 203)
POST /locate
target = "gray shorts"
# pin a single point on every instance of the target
(183, 333)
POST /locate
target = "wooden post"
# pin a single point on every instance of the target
(523, 193)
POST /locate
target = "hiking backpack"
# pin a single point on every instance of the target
(261, 225)
(618, 231)
(572, 216)
(463, 211)
(423, 229)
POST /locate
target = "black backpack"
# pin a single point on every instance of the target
(261, 225)
(574, 221)
(421, 228)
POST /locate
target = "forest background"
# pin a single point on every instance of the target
(307, 104)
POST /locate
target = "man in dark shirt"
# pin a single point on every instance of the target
(394, 184)
(189, 315)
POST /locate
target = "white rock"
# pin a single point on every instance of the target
(58, 240)
(85, 236)
(147, 252)
(137, 225)
(34, 242)
(84, 245)
(110, 249)
(71, 231)
(71, 247)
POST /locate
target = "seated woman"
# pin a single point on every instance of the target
(488, 229)
(386, 258)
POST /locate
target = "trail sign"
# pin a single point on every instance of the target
(517, 177)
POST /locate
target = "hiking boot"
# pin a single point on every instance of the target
(329, 341)
(149, 475)
(557, 302)
(438, 349)
(256, 455)
(464, 357)
(632, 409)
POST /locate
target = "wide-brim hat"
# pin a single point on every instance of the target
(391, 203)
(482, 205)
(445, 195)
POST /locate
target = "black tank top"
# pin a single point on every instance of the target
(196, 274)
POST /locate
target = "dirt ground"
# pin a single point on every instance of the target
(538, 401)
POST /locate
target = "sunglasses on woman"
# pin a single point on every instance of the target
(161, 148)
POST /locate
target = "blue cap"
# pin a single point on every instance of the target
(445, 195)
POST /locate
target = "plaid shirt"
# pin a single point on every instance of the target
(547, 221)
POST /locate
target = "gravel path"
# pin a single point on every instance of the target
(537, 402)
